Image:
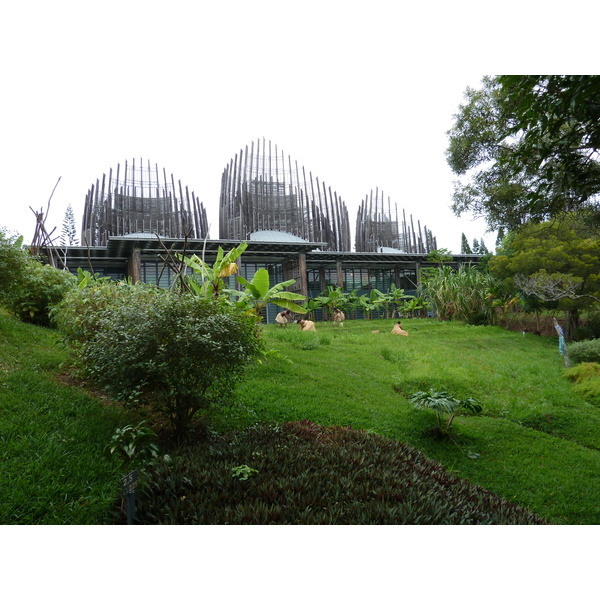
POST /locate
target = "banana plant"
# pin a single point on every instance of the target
(312, 304)
(369, 303)
(414, 305)
(212, 278)
(334, 298)
(258, 293)
(396, 295)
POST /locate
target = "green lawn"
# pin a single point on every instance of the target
(536, 442)
(51, 436)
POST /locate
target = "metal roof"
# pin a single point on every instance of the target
(120, 249)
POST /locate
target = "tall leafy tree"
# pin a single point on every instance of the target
(68, 236)
(525, 148)
(553, 262)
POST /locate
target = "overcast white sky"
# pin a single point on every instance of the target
(360, 94)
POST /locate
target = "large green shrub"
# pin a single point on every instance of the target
(586, 351)
(29, 288)
(301, 473)
(40, 288)
(13, 260)
(177, 352)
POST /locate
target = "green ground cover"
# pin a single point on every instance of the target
(536, 442)
(52, 436)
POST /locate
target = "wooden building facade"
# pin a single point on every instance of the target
(262, 189)
(379, 229)
(143, 257)
(137, 198)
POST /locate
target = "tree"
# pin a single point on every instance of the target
(68, 237)
(440, 256)
(555, 262)
(476, 246)
(482, 247)
(526, 148)
(464, 245)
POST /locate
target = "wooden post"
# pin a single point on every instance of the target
(134, 267)
(340, 273)
(303, 276)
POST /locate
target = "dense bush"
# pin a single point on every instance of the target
(79, 315)
(41, 287)
(177, 353)
(13, 259)
(586, 377)
(28, 288)
(300, 473)
(586, 351)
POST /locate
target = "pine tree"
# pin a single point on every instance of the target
(482, 247)
(475, 246)
(68, 236)
(464, 245)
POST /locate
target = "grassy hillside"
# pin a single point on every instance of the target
(51, 436)
(536, 443)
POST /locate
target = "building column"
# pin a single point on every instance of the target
(303, 276)
(322, 279)
(134, 266)
(340, 273)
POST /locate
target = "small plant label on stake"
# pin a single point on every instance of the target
(129, 483)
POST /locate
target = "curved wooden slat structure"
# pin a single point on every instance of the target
(378, 229)
(262, 189)
(137, 199)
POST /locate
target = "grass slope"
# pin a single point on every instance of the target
(536, 442)
(51, 436)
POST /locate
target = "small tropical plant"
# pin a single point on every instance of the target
(211, 279)
(312, 304)
(334, 298)
(369, 303)
(444, 405)
(258, 293)
(414, 305)
(396, 295)
(132, 443)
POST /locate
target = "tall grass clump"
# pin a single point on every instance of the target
(461, 294)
